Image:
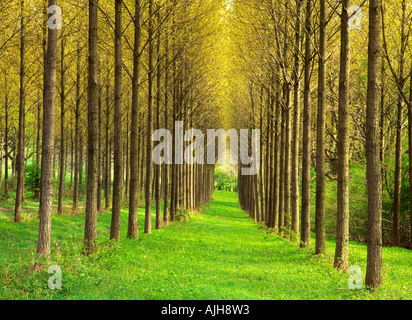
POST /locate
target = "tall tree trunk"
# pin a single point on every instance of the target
(261, 176)
(148, 222)
(107, 184)
(99, 152)
(276, 155)
(158, 92)
(268, 160)
(90, 232)
(77, 137)
(71, 154)
(374, 256)
(126, 152)
(44, 47)
(296, 126)
(320, 246)
(342, 225)
(271, 146)
(22, 111)
(117, 127)
(307, 136)
(46, 196)
(132, 231)
(62, 133)
(382, 126)
(166, 119)
(399, 120)
(36, 194)
(6, 138)
(281, 164)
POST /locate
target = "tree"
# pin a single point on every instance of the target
(307, 142)
(149, 143)
(400, 83)
(90, 231)
(22, 112)
(166, 120)
(374, 257)
(46, 196)
(342, 225)
(320, 151)
(117, 138)
(296, 125)
(134, 133)
(158, 94)
(62, 126)
(6, 138)
(77, 134)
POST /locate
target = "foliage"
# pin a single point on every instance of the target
(33, 177)
(225, 181)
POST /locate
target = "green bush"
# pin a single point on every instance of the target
(33, 177)
(225, 181)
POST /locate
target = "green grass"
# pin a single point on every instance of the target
(217, 254)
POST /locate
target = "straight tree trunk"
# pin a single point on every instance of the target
(295, 131)
(126, 155)
(107, 184)
(81, 161)
(374, 256)
(268, 160)
(307, 136)
(271, 174)
(46, 196)
(166, 119)
(44, 47)
(22, 111)
(342, 225)
(62, 133)
(6, 139)
(382, 126)
(117, 128)
(320, 246)
(90, 231)
(77, 137)
(288, 173)
(132, 231)
(148, 222)
(142, 161)
(281, 164)
(276, 163)
(261, 177)
(71, 154)
(39, 105)
(398, 154)
(99, 164)
(157, 167)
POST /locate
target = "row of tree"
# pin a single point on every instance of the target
(281, 45)
(113, 73)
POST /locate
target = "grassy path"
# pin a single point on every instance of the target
(219, 254)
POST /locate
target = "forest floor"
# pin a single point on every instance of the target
(217, 254)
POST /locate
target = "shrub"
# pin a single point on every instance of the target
(33, 177)
(225, 181)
